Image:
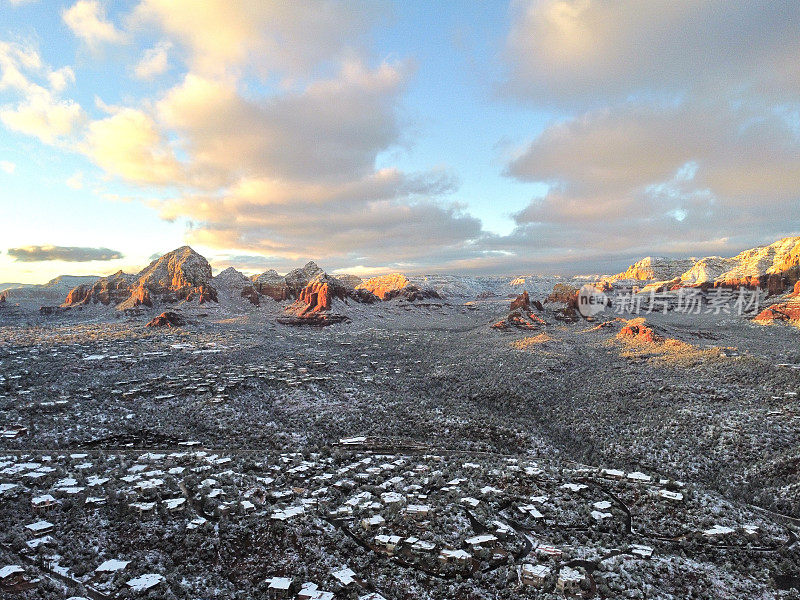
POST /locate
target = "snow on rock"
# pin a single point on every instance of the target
(657, 268)
(111, 290)
(233, 286)
(180, 275)
(271, 284)
(771, 267)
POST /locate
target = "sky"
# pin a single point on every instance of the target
(536, 136)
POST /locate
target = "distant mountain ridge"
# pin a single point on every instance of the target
(774, 267)
(183, 275)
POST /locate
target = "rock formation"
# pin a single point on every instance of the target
(180, 275)
(313, 306)
(351, 281)
(520, 315)
(656, 268)
(638, 329)
(111, 290)
(385, 286)
(298, 279)
(233, 285)
(271, 284)
(771, 268)
(522, 301)
(167, 319)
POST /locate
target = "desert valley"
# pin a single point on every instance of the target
(179, 434)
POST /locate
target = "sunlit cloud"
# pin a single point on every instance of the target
(87, 20)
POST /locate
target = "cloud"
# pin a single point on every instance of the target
(87, 20)
(131, 145)
(154, 62)
(8, 167)
(677, 127)
(62, 253)
(39, 111)
(586, 53)
(293, 38)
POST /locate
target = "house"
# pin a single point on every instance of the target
(11, 575)
(112, 566)
(545, 551)
(14, 432)
(174, 505)
(457, 557)
(310, 591)
(421, 545)
(641, 550)
(718, 531)
(372, 522)
(569, 581)
(40, 527)
(533, 575)
(143, 507)
(389, 543)
(614, 474)
(279, 587)
(531, 511)
(43, 503)
(417, 511)
(145, 582)
(574, 487)
(481, 541)
(345, 576)
(670, 495)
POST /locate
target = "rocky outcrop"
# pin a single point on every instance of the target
(298, 279)
(351, 281)
(251, 295)
(111, 290)
(638, 329)
(180, 275)
(167, 319)
(772, 268)
(782, 311)
(520, 315)
(233, 285)
(271, 284)
(657, 268)
(520, 319)
(564, 294)
(414, 293)
(139, 297)
(385, 287)
(522, 301)
(313, 306)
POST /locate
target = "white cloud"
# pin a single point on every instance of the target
(7, 167)
(680, 132)
(154, 62)
(589, 52)
(293, 37)
(40, 111)
(87, 20)
(129, 144)
(75, 181)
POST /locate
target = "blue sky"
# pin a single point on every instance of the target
(536, 136)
